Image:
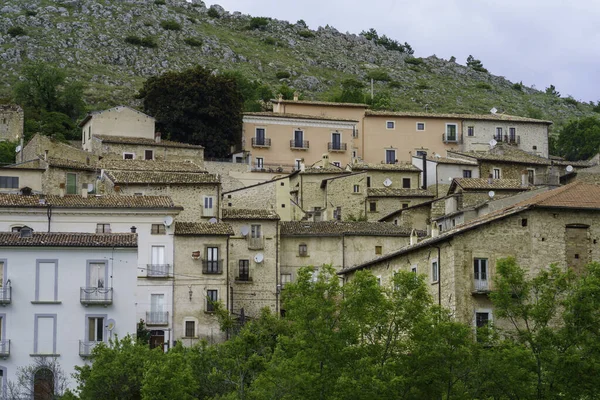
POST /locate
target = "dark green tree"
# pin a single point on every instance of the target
(551, 90)
(352, 92)
(477, 65)
(196, 106)
(580, 139)
(7, 152)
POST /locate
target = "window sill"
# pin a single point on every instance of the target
(44, 355)
(303, 255)
(210, 312)
(435, 282)
(356, 193)
(190, 337)
(46, 302)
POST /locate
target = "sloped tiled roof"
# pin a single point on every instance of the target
(149, 165)
(296, 116)
(32, 165)
(320, 103)
(575, 195)
(69, 164)
(480, 117)
(328, 168)
(385, 167)
(246, 213)
(507, 154)
(453, 161)
(337, 228)
(393, 192)
(145, 142)
(160, 178)
(484, 184)
(75, 201)
(202, 228)
(53, 239)
(399, 211)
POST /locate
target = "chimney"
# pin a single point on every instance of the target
(84, 192)
(424, 170)
(413, 237)
(296, 96)
(524, 178)
(157, 136)
(45, 155)
(87, 161)
(62, 190)
(490, 179)
(434, 230)
(133, 229)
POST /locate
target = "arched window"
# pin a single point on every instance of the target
(43, 384)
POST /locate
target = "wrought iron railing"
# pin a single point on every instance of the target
(256, 243)
(86, 348)
(481, 286)
(158, 270)
(154, 318)
(261, 142)
(212, 266)
(6, 295)
(299, 144)
(334, 146)
(4, 348)
(96, 295)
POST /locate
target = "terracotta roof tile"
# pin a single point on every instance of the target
(202, 228)
(149, 165)
(384, 167)
(484, 184)
(144, 141)
(160, 178)
(337, 228)
(506, 154)
(321, 103)
(296, 116)
(393, 192)
(69, 239)
(75, 201)
(245, 213)
(480, 117)
(70, 164)
(574, 195)
(454, 161)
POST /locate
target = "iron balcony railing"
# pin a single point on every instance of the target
(86, 348)
(96, 295)
(158, 270)
(4, 348)
(261, 142)
(481, 286)
(6, 295)
(449, 138)
(155, 318)
(299, 144)
(243, 278)
(256, 243)
(334, 146)
(212, 266)
(510, 139)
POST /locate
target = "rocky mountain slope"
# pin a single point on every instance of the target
(113, 46)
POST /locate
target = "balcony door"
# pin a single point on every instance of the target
(390, 156)
(212, 259)
(480, 273)
(158, 255)
(336, 141)
(451, 132)
(260, 136)
(298, 139)
(97, 275)
(157, 308)
(95, 331)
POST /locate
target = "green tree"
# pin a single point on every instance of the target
(352, 92)
(196, 106)
(169, 376)
(551, 90)
(579, 139)
(477, 65)
(7, 152)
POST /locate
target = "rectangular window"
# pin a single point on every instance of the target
(299, 139)
(260, 137)
(90, 132)
(497, 173)
(149, 155)
(512, 135)
(9, 182)
(353, 153)
(158, 255)
(44, 334)
(209, 203)
(46, 286)
(378, 250)
(244, 272)
(302, 250)
(255, 231)
(95, 329)
(356, 189)
(71, 183)
(158, 229)
(212, 296)
(404, 205)
(368, 181)
(531, 176)
(480, 274)
(482, 319)
(413, 269)
(435, 271)
(96, 275)
(451, 132)
(297, 163)
(158, 315)
(190, 329)
(285, 279)
(420, 126)
(336, 141)
(373, 206)
(421, 153)
(498, 134)
(406, 183)
(390, 156)
(390, 124)
(337, 214)
(470, 131)
(212, 260)
(128, 156)
(260, 162)
(466, 173)
(102, 228)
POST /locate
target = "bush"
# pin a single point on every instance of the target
(269, 40)
(170, 25)
(194, 42)
(483, 86)
(395, 84)
(147, 41)
(30, 13)
(16, 31)
(160, 2)
(422, 85)
(258, 23)
(378, 75)
(213, 13)
(306, 34)
(414, 61)
(282, 75)
(192, 20)
(518, 86)
(147, 23)
(570, 100)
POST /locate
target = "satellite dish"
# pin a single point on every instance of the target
(438, 156)
(90, 188)
(212, 220)
(168, 221)
(245, 230)
(493, 110)
(387, 182)
(569, 168)
(493, 143)
(18, 149)
(491, 193)
(110, 324)
(259, 258)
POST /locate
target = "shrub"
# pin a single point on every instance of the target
(258, 23)
(422, 85)
(147, 41)
(282, 75)
(518, 86)
(483, 86)
(213, 13)
(30, 13)
(570, 100)
(306, 34)
(194, 42)
(270, 40)
(302, 23)
(147, 23)
(192, 20)
(395, 84)
(160, 2)
(596, 108)
(16, 31)
(378, 75)
(170, 25)
(414, 61)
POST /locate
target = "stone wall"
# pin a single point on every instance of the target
(274, 195)
(234, 175)
(161, 153)
(378, 177)
(418, 218)
(11, 122)
(39, 144)
(387, 205)
(340, 193)
(510, 170)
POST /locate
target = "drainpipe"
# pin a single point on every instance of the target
(277, 281)
(437, 194)
(343, 251)
(424, 170)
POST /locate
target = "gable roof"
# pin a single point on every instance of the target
(506, 154)
(202, 228)
(338, 228)
(325, 181)
(91, 114)
(480, 117)
(486, 184)
(407, 167)
(55, 239)
(161, 178)
(76, 201)
(320, 103)
(150, 165)
(393, 192)
(452, 161)
(270, 114)
(245, 213)
(144, 141)
(69, 164)
(423, 204)
(257, 184)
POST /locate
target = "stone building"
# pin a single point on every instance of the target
(201, 278)
(560, 226)
(467, 192)
(441, 171)
(253, 262)
(272, 195)
(11, 122)
(382, 201)
(13, 179)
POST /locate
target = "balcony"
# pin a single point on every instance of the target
(334, 146)
(5, 295)
(86, 348)
(299, 144)
(95, 296)
(212, 267)
(157, 318)
(256, 243)
(4, 348)
(158, 270)
(261, 142)
(449, 138)
(480, 286)
(509, 139)
(243, 278)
